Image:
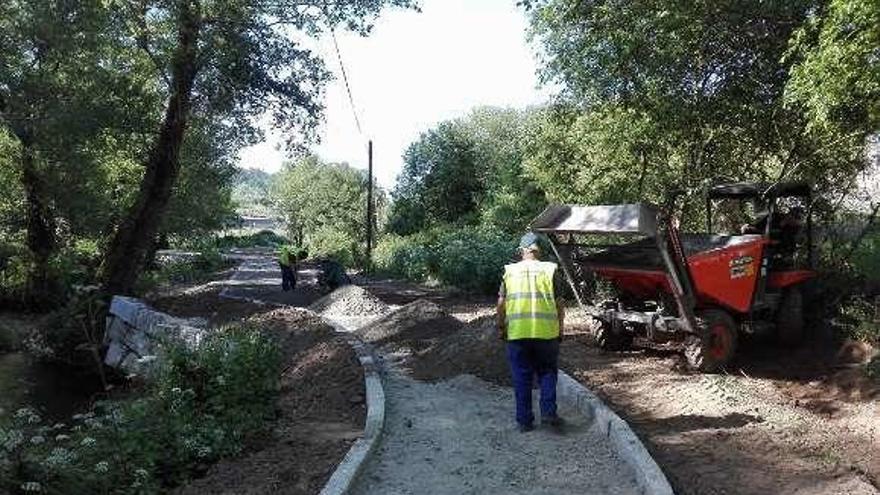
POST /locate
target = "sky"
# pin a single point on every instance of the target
(413, 71)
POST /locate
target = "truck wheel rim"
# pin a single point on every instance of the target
(719, 342)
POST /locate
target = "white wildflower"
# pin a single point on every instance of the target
(175, 390)
(59, 457)
(13, 439)
(27, 414)
(88, 442)
(102, 467)
(31, 486)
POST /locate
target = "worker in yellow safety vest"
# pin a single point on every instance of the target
(287, 262)
(530, 319)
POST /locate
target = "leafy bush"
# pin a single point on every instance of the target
(469, 258)
(866, 259)
(263, 238)
(335, 244)
(205, 403)
(860, 320)
(206, 262)
(403, 256)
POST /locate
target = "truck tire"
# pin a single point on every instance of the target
(613, 337)
(790, 318)
(714, 347)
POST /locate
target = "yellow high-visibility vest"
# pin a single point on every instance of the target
(284, 256)
(530, 303)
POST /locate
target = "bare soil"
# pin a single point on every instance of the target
(321, 407)
(321, 413)
(777, 422)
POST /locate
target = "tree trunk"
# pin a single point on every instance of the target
(126, 255)
(40, 227)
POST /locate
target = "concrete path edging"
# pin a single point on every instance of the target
(343, 478)
(623, 440)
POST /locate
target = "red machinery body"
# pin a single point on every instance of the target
(704, 288)
(725, 276)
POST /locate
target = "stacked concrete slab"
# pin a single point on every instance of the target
(135, 334)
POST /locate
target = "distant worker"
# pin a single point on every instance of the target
(287, 261)
(530, 319)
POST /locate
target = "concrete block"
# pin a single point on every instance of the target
(126, 308)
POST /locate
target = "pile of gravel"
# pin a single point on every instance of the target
(349, 300)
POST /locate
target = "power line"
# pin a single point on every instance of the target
(347, 86)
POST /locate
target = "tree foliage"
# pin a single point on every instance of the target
(467, 171)
(836, 76)
(670, 96)
(324, 205)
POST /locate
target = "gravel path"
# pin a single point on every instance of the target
(458, 437)
(259, 277)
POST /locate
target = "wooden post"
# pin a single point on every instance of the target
(369, 263)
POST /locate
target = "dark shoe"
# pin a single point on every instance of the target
(553, 421)
(525, 428)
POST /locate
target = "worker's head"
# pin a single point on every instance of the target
(528, 246)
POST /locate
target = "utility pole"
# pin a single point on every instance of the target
(369, 205)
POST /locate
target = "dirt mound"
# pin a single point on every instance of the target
(474, 349)
(321, 412)
(349, 300)
(438, 346)
(417, 326)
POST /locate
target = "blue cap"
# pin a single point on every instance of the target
(528, 240)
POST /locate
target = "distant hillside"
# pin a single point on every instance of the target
(251, 192)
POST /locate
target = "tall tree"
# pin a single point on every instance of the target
(63, 83)
(238, 58)
(702, 82)
(836, 75)
(324, 205)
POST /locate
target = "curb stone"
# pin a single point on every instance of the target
(346, 473)
(624, 442)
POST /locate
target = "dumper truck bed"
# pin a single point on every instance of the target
(644, 255)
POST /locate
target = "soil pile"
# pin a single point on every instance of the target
(437, 346)
(349, 300)
(474, 349)
(418, 326)
(321, 411)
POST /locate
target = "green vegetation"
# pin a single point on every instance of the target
(861, 319)
(263, 238)
(251, 193)
(469, 258)
(325, 208)
(205, 403)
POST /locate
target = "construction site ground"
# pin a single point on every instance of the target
(321, 408)
(776, 422)
(785, 422)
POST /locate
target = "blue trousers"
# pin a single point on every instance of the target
(288, 277)
(530, 357)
